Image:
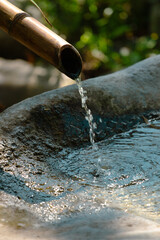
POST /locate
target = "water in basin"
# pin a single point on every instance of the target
(119, 172)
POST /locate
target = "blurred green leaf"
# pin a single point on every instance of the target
(109, 34)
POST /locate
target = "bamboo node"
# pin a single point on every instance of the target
(17, 17)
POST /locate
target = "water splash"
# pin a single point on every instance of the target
(89, 116)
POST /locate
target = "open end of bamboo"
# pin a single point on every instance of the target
(71, 62)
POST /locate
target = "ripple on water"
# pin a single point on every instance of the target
(122, 171)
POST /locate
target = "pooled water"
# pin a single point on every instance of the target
(68, 184)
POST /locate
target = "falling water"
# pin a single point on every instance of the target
(89, 117)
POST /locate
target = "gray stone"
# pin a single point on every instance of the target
(120, 99)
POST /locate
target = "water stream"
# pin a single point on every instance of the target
(89, 117)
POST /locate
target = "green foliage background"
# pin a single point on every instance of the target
(109, 34)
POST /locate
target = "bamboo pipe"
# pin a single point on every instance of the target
(41, 40)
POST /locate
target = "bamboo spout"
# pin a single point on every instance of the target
(41, 40)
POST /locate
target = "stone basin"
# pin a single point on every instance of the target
(50, 189)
